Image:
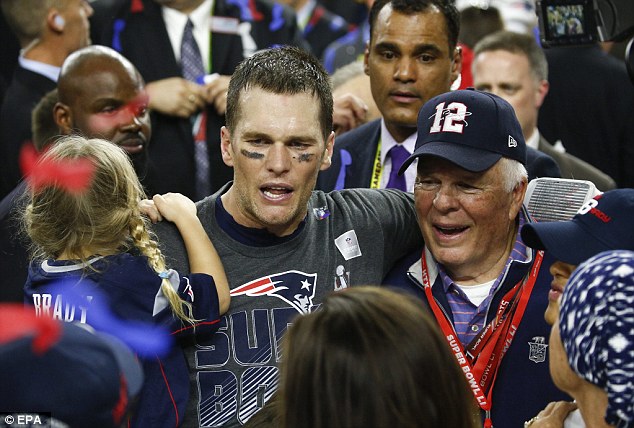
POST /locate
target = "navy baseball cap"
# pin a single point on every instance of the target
(81, 377)
(603, 223)
(470, 128)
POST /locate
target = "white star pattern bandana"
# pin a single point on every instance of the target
(596, 324)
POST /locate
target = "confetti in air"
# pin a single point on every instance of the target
(122, 115)
(71, 175)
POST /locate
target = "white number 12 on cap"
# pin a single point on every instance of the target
(451, 118)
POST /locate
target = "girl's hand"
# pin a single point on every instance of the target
(148, 208)
(174, 206)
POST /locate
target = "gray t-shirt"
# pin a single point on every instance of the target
(352, 237)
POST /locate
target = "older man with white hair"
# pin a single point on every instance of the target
(485, 288)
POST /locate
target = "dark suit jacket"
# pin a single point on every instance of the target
(590, 108)
(141, 37)
(573, 167)
(361, 144)
(24, 92)
(323, 28)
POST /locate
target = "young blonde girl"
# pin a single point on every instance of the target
(98, 237)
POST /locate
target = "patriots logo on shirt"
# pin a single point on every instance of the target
(294, 287)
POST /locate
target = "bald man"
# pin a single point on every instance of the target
(100, 95)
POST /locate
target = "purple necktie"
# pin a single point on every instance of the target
(193, 69)
(398, 154)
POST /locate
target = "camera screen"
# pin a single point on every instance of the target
(565, 20)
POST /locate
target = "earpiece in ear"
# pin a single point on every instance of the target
(59, 21)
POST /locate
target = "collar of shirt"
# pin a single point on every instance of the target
(304, 14)
(518, 253)
(469, 319)
(387, 142)
(533, 141)
(175, 22)
(250, 236)
(38, 67)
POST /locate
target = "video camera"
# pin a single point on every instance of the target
(580, 22)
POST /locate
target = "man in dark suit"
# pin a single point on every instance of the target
(590, 107)
(149, 33)
(47, 36)
(412, 56)
(512, 66)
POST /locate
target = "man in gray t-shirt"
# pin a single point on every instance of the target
(284, 246)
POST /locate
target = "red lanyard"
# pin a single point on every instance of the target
(481, 361)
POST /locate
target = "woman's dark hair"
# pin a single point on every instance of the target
(371, 357)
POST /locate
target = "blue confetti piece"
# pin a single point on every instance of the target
(346, 159)
(245, 11)
(278, 17)
(145, 339)
(117, 29)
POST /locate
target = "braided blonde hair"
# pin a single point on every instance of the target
(103, 220)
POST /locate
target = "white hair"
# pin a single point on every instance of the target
(513, 173)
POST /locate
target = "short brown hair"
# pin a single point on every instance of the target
(26, 18)
(283, 70)
(516, 43)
